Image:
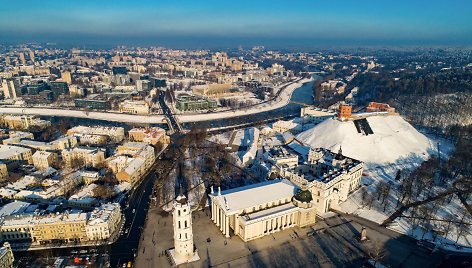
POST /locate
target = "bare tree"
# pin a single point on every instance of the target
(376, 252)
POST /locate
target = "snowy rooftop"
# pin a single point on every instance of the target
(103, 213)
(253, 195)
(13, 208)
(7, 151)
(41, 154)
(134, 165)
(273, 211)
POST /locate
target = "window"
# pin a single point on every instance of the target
(179, 224)
(185, 224)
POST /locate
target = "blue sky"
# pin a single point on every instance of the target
(230, 23)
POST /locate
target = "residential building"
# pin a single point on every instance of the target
(66, 76)
(103, 221)
(282, 126)
(90, 156)
(12, 156)
(23, 121)
(132, 172)
(151, 135)
(65, 227)
(43, 227)
(43, 160)
(11, 89)
(6, 256)
(115, 134)
(3, 171)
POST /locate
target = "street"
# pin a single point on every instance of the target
(332, 242)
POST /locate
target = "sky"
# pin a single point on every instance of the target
(213, 24)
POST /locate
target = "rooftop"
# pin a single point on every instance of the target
(237, 199)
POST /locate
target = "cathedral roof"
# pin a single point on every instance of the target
(304, 196)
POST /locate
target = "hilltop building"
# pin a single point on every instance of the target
(330, 177)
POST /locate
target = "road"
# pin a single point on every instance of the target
(123, 250)
(168, 113)
(107, 116)
(283, 98)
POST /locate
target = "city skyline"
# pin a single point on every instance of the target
(216, 24)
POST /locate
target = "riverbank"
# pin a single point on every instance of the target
(282, 100)
(108, 116)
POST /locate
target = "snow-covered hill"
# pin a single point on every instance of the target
(394, 140)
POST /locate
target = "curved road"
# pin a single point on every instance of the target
(282, 100)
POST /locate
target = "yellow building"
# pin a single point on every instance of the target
(134, 107)
(152, 135)
(43, 160)
(66, 76)
(14, 155)
(6, 256)
(23, 121)
(63, 228)
(132, 172)
(214, 90)
(91, 156)
(3, 171)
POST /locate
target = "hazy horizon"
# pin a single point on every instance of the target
(214, 24)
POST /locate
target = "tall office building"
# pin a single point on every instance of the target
(66, 77)
(31, 54)
(22, 58)
(10, 88)
(7, 60)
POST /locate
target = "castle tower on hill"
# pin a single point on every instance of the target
(345, 111)
(184, 250)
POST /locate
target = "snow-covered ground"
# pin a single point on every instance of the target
(394, 139)
(395, 145)
(281, 101)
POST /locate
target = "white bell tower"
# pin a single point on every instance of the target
(184, 250)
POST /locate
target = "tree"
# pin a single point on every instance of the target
(103, 191)
(398, 177)
(376, 252)
(77, 162)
